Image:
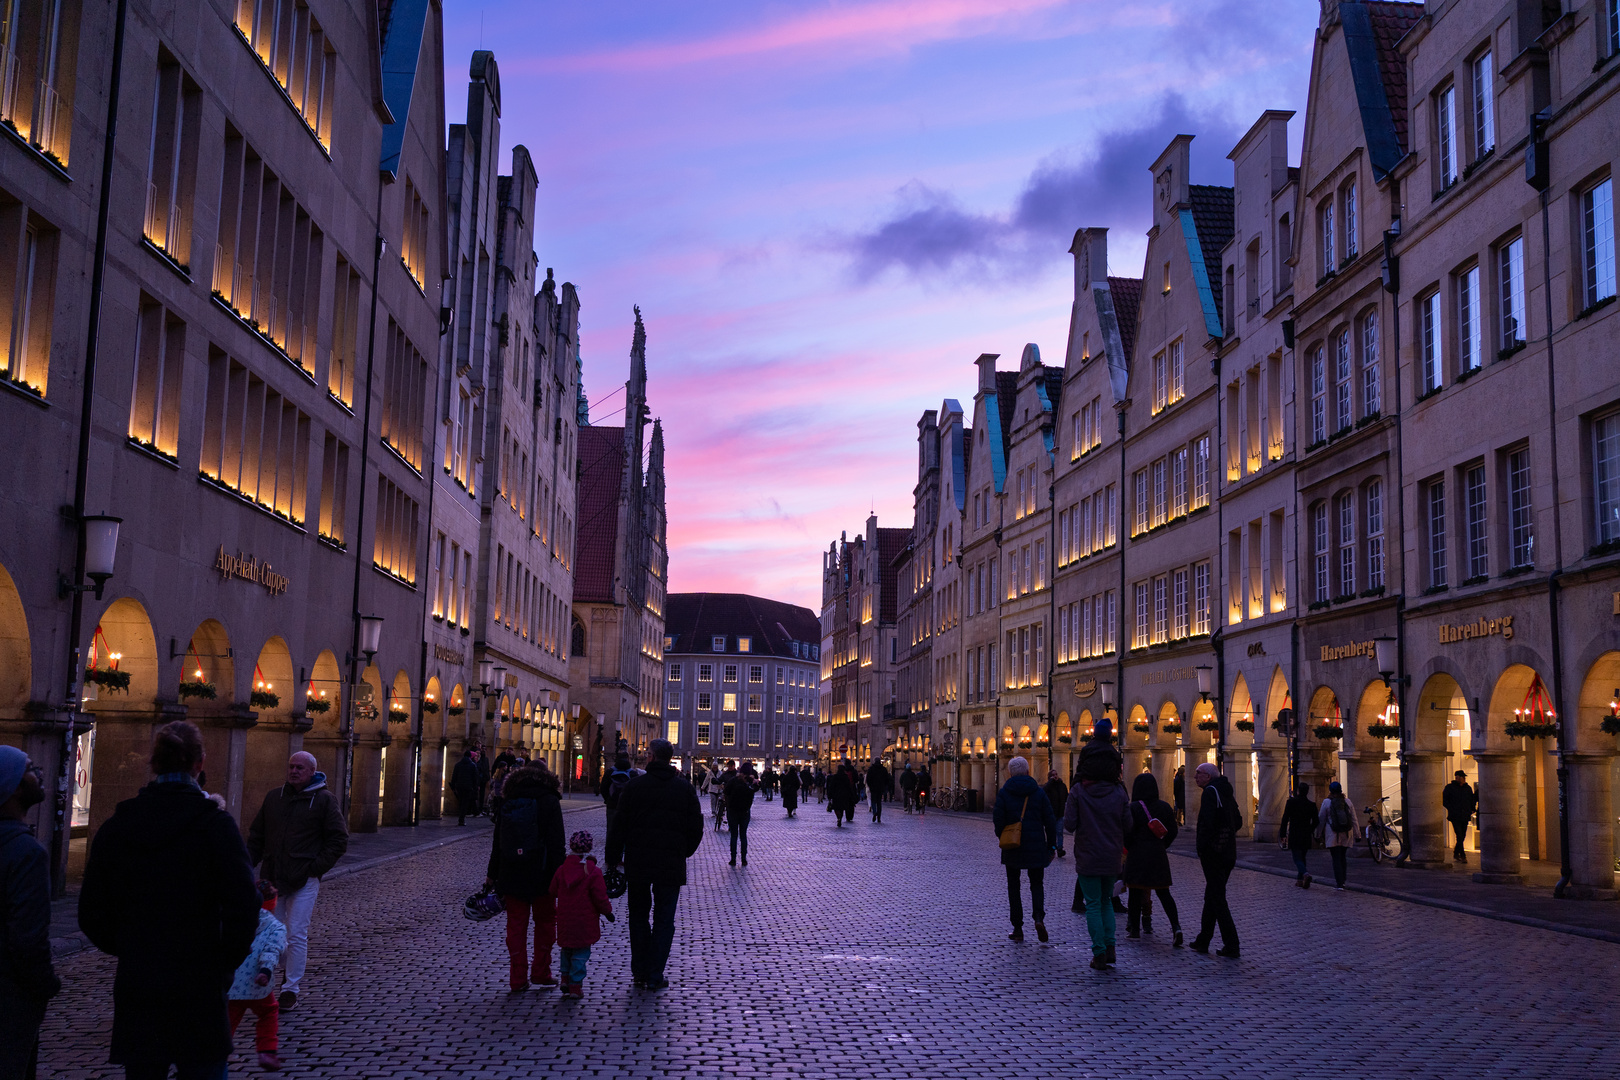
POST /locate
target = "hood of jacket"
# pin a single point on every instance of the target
(316, 783)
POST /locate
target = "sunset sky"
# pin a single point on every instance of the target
(827, 210)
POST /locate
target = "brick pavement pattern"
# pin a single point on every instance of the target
(882, 950)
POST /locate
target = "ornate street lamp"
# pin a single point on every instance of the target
(100, 553)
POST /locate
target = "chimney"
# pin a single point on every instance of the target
(987, 372)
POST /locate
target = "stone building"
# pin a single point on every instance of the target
(859, 614)
(246, 387)
(616, 641)
(741, 676)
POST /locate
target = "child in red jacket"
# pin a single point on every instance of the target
(581, 896)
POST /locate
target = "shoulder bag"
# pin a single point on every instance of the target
(1012, 834)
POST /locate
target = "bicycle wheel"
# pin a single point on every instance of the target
(1394, 845)
(1375, 847)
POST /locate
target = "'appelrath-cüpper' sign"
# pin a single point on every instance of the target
(247, 568)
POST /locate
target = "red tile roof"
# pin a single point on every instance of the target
(1127, 294)
(1390, 22)
(596, 545)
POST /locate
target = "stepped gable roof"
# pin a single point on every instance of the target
(1127, 294)
(601, 460)
(890, 543)
(1213, 222)
(693, 620)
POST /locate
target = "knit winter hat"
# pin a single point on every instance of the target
(12, 763)
(581, 842)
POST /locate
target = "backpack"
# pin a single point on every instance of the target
(617, 779)
(520, 829)
(1339, 815)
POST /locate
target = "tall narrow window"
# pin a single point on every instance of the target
(171, 162)
(1343, 395)
(1139, 520)
(1371, 382)
(38, 60)
(1435, 501)
(1318, 364)
(1161, 609)
(27, 279)
(1478, 534)
(1347, 544)
(1161, 383)
(154, 406)
(1429, 330)
(1160, 492)
(1521, 526)
(1597, 218)
(334, 504)
(1319, 550)
(1468, 343)
(1330, 260)
(1178, 482)
(1375, 534)
(1606, 478)
(1178, 370)
(1200, 479)
(1201, 614)
(1179, 605)
(1510, 271)
(1140, 638)
(1484, 107)
(1351, 215)
(1446, 129)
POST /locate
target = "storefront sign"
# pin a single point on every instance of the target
(248, 568)
(1022, 712)
(449, 656)
(511, 679)
(1481, 627)
(1257, 649)
(1331, 653)
(1175, 674)
(1084, 688)
(977, 720)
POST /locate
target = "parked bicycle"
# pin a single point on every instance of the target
(1383, 841)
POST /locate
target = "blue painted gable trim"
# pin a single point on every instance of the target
(1377, 122)
(958, 458)
(401, 53)
(1200, 269)
(998, 460)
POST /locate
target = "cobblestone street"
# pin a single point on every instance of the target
(882, 951)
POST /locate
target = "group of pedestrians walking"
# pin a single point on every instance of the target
(1120, 844)
(197, 916)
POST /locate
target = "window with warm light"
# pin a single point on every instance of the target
(154, 407)
(27, 285)
(289, 42)
(171, 168)
(39, 48)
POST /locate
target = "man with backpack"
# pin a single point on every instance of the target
(613, 785)
(1337, 822)
(527, 850)
(1219, 819)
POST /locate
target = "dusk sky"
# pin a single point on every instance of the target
(827, 210)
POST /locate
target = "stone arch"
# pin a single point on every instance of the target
(1064, 733)
(210, 659)
(1025, 738)
(1324, 706)
(273, 674)
(399, 696)
(325, 687)
(1440, 698)
(1242, 709)
(1278, 698)
(16, 655)
(113, 760)
(1084, 725)
(1599, 699)
(1375, 706)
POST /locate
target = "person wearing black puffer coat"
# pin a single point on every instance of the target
(1299, 831)
(1147, 867)
(528, 848)
(1219, 819)
(1022, 800)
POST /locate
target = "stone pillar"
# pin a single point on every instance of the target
(1134, 757)
(1163, 762)
(399, 782)
(1272, 764)
(1425, 816)
(367, 778)
(1240, 771)
(1498, 815)
(1591, 826)
(1316, 765)
(433, 778)
(1364, 786)
(976, 777)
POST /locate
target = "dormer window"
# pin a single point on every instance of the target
(718, 644)
(745, 644)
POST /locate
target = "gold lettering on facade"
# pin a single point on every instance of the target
(1257, 649)
(449, 656)
(1481, 627)
(1175, 674)
(1331, 653)
(247, 568)
(1084, 688)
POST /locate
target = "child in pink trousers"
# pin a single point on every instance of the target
(581, 896)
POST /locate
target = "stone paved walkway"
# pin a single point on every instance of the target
(882, 951)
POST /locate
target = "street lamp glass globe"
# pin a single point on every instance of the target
(100, 546)
(1384, 652)
(485, 672)
(370, 634)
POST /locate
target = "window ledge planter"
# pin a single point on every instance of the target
(1467, 373)
(1370, 419)
(1427, 394)
(1376, 591)
(1593, 309)
(1435, 590)
(1509, 351)
(1317, 445)
(1477, 579)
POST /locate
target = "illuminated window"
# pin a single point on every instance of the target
(290, 44)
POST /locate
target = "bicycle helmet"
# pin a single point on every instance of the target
(617, 883)
(481, 905)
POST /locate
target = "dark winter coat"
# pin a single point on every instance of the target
(1100, 759)
(464, 780)
(1096, 813)
(1460, 802)
(26, 974)
(168, 890)
(580, 893)
(879, 781)
(297, 834)
(1218, 822)
(908, 780)
(1146, 864)
(1057, 793)
(925, 781)
(528, 844)
(1298, 823)
(1021, 798)
(739, 793)
(790, 789)
(658, 826)
(841, 789)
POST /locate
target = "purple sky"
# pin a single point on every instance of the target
(827, 210)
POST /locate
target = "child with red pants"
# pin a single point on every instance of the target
(581, 896)
(250, 988)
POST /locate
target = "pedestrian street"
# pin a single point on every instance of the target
(881, 950)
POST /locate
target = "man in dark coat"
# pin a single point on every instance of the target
(1057, 793)
(1022, 800)
(298, 835)
(739, 794)
(484, 769)
(768, 781)
(464, 784)
(1178, 787)
(790, 790)
(1460, 802)
(27, 980)
(879, 783)
(169, 891)
(658, 827)
(841, 793)
(908, 787)
(1298, 831)
(1218, 822)
(528, 848)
